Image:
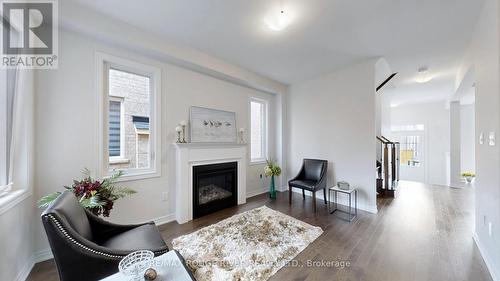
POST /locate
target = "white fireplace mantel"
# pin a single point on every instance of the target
(189, 155)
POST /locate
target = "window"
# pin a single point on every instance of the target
(9, 78)
(131, 99)
(8, 82)
(258, 130)
(406, 128)
(410, 151)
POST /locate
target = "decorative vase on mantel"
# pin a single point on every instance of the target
(272, 170)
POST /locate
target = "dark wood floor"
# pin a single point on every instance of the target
(424, 234)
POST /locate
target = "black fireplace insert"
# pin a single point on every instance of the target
(215, 187)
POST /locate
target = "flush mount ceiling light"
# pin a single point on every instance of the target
(423, 75)
(278, 19)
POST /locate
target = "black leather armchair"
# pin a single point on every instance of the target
(87, 248)
(312, 177)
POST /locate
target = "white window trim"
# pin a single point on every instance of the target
(4, 174)
(265, 125)
(103, 63)
(6, 184)
(10, 194)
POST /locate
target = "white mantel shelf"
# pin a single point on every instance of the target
(208, 145)
(189, 155)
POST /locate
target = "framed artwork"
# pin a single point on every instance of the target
(211, 125)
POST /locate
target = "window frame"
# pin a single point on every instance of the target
(5, 185)
(105, 62)
(6, 145)
(417, 145)
(265, 128)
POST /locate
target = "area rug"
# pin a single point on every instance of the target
(252, 245)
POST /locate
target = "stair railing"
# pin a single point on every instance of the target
(388, 156)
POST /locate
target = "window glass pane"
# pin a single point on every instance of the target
(406, 128)
(7, 94)
(129, 111)
(114, 128)
(410, 151)
(257, 130)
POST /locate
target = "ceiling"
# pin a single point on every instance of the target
(323, 36)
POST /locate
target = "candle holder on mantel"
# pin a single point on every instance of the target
(241, 133)
(178, 129)
(183, 125)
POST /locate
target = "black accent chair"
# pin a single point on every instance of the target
(87, 248)
(312, 177)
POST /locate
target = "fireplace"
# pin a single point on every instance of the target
(214, 187)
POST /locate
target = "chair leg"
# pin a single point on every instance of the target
(314, 201)
(289, 195)
(303, 195)
(324, 195)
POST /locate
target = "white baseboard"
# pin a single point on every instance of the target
(256, 192)
(486, 257)
(165, 219)
(42, 255)
(282, 188)
(342, 201)
(26, 270)
(30, 263)
(370, 209)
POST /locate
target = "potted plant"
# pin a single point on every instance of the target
(272, 170)
(469, 176)
(96, 196)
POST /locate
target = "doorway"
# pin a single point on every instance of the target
(412, 156)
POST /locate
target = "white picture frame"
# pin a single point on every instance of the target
(209, 125)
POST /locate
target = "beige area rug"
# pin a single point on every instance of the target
(252, 245)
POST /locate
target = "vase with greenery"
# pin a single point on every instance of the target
(272, 170)
(469, 176)
(96, 196)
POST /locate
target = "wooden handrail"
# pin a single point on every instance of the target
(385, 140)
(385, 82)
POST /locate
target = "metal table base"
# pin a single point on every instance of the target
(351, 216)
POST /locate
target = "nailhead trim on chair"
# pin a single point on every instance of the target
(65, 233)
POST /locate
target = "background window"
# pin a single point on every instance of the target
(7, 93)
(128, 120)
(115, 128)
(410, 151)
(258, 130)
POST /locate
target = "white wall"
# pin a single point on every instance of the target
(455, 144)
(435, 117)
(82, 20)
(66, 125)
(468, 138)
(332, 117)
(482, 57)
(382, 72)
(16, 217)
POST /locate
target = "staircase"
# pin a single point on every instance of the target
(387, 166)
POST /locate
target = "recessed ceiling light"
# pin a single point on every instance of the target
(277, 21)
(423, 75)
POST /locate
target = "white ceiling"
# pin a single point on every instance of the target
(324, 35)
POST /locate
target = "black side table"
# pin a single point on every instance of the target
(335, 190)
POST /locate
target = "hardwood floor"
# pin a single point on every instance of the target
(424, 234)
